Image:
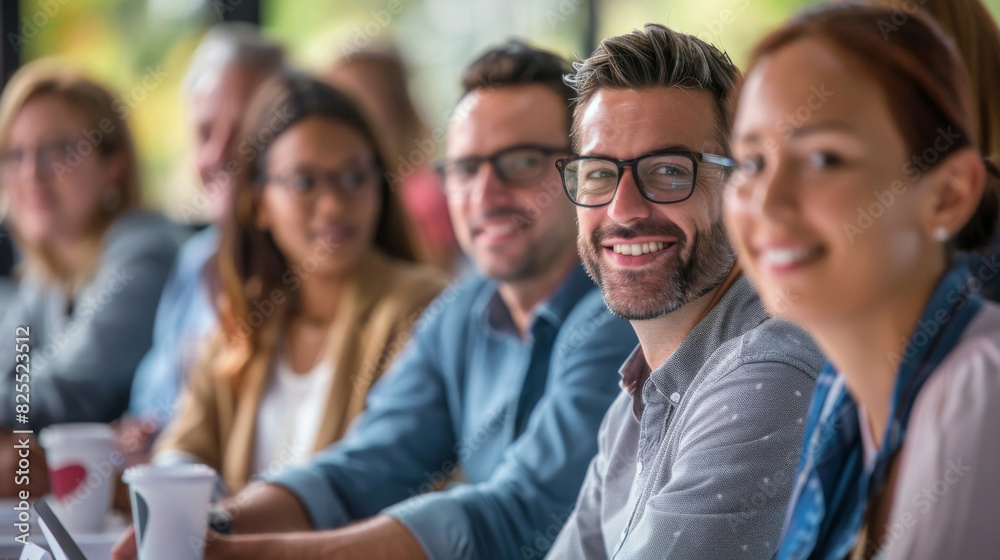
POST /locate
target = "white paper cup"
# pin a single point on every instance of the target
(81, 462)
(170, 510)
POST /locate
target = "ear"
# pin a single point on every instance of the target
(955, 188)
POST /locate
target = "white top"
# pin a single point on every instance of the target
(290, 413)
(946, 503)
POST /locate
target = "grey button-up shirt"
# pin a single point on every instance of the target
(700, 465)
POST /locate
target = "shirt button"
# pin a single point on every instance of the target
(675, 398)
(638, 467)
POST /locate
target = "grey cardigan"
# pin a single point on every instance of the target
(82, 363)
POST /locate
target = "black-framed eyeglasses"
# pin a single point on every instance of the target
(515, 166)
(663, 178)
(306, 185)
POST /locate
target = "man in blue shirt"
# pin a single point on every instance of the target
(504, 381)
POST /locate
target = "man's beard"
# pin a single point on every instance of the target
(519, 267)
(693, 270)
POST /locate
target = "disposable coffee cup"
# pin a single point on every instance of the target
(80, 458)
(170, 510)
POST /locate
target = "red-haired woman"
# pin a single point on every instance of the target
(847, 220)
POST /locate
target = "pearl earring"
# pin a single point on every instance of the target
(941, 234)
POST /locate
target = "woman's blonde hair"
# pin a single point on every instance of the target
(105, 132)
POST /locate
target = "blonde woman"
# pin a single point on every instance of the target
(93, 264)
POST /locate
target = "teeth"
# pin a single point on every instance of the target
(638, 249)
(498, 229)
(785, 257)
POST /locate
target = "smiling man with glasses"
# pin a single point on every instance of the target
(697, 454)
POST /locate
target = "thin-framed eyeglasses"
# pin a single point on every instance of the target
(305, 185)
(516, 166)
(663, 178)
(45, 156)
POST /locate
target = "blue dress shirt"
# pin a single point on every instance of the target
(185, 317)
(517, 417)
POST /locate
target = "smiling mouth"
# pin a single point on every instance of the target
(334, 235)
(640, 248)
(495, 229)
(791, 257)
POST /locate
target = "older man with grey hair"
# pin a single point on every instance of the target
(697, 454)
(232, 60)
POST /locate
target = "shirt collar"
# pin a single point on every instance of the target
(553, 310)
(635, 371)
(739, 310)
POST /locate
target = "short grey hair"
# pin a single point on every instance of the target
(658, 56)
(226, 45)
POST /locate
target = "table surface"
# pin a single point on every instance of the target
(94, 546)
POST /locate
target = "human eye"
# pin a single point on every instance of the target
(750, 165)
(668, 172)
(595, 170)
(671, 170)
(300, 183)
(825, 159)
(354, 180)
(463, 168)
(521, 164)
(591, 181)
(525, 159)
(8, 157)
(601, 173)
(56, 152)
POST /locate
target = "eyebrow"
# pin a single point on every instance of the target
(670, 148)
(827, 126)
(805, 130)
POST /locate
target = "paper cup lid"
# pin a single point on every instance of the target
(62, 434)
(176, 473)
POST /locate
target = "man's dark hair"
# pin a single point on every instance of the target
(658, 56)
(518, 63)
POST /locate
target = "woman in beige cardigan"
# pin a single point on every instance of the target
(319, 289)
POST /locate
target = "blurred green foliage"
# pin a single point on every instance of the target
(121, 42)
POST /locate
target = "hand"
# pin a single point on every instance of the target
(217, 547)
(262, 507)
(225, 547)
(135, 437)
(125, 548)
(37, 479)
(122, 501)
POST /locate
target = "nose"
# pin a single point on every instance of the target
(628, 205)
(487, 189)
(328, 200)
(32, 172)
(778, 192)
(214, 152)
